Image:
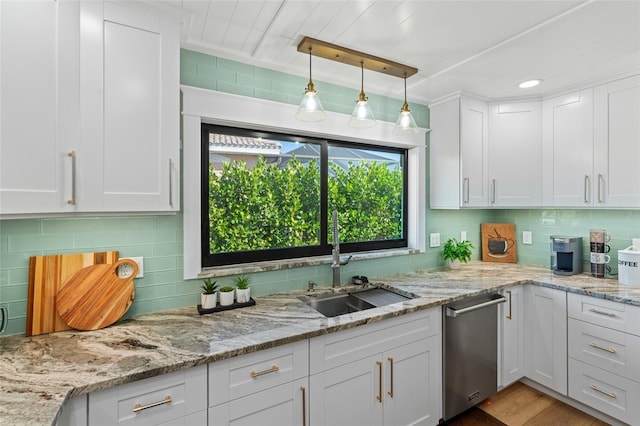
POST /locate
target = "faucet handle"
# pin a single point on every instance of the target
(312, 286)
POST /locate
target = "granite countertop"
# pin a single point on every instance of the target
(39, 373)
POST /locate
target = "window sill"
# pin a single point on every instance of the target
(276, 265)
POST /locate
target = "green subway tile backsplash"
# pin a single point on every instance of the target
(159, 238)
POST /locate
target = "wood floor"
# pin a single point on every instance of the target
(521, 405)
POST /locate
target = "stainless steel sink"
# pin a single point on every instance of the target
(360, 300)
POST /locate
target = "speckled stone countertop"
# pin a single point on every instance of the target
(39, 373)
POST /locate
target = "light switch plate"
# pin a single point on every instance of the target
(463, 235)
(527, 237)
(434, 239)
(635, 242)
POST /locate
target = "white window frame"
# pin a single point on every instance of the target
(208, 106)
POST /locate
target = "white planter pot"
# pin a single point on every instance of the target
(453, 264)
(208, 301)
(226, 298)
(243, 295)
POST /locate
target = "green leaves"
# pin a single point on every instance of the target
(275, 207)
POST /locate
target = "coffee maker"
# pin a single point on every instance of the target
(566, 255)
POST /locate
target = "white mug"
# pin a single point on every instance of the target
(600, 258)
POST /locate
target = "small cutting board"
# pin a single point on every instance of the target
(47, 274)
(95, 297)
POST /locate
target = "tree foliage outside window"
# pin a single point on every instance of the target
(269, 207)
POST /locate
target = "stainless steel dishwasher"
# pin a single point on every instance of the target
(470, 352)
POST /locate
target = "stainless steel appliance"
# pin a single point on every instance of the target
(566, 255)
(470, 352)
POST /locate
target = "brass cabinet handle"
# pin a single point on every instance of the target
(595, 345)
(139, 407)
(379, 397)
(609, 394)
(600, 182)
(609, 314)
(390, 392)
(72, 155)
(509, 293)
(273, 369)
(304, 405)
(170, 182)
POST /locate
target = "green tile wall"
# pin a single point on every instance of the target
(159, 238)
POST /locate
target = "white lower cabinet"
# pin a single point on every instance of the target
(546, 337)
(512, 335)
(263, 388)
(178, 398)
(386, 373)
(74, 412)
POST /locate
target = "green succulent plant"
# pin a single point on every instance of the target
(242, 282)
(226, 289)
(454, 249)
(209, 286)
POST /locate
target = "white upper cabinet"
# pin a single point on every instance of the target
(458, 154)
(39, 107)
(130, 99)
(567, 150)
(617, 143)
(515, 154)
(89, 114)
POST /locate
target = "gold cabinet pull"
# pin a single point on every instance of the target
(304, 405)
(273, 369)
(139, 407)
(609, 314)
(390, 392)
(509, 293)
(595, 345)
(379, 397)
(609, 394)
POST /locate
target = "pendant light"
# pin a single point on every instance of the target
(405, 123)
(362, 115)
(310, 108)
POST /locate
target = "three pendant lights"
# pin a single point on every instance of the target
(362, 117)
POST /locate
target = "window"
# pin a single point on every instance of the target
(267, 196)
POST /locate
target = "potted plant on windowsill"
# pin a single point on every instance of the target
(226, 296)
(243, 292)
(455, 251)
(209, 296)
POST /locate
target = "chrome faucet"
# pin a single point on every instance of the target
(335, 252)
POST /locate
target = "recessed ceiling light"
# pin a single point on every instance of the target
(529, 83)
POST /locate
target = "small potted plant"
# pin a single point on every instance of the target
(243, 292)
(226, 296)
(455, 251)
(209, 296)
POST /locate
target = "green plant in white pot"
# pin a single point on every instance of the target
(226, 296)
(209, 295)
(243, 292)
(455, 251)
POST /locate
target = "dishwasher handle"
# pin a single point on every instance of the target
(452, 312)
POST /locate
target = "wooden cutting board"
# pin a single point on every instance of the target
(95, 297)
(47, 275)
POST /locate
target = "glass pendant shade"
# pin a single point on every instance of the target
(362, 116)
(310, 107)
(405, 123)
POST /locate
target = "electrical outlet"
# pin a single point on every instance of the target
(125, 270)
(434, 239)
(527, 237)
(463, 235)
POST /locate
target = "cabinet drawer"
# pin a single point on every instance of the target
(616, 315)
(237, 377)
(611, 350)
(613, 395)
(186, 390)
(336, 349)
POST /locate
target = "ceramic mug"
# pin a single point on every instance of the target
(600, 258)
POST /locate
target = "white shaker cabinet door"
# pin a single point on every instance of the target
(38, 108)
(512, 351)
(567, 150)
(130, 99)
(617, 143)
(474, 124)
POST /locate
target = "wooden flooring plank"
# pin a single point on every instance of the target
(517, 404)
(561, 414)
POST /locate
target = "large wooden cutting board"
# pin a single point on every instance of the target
(95, 296)
(47, 275)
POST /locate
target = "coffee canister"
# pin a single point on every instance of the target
(629, 266)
